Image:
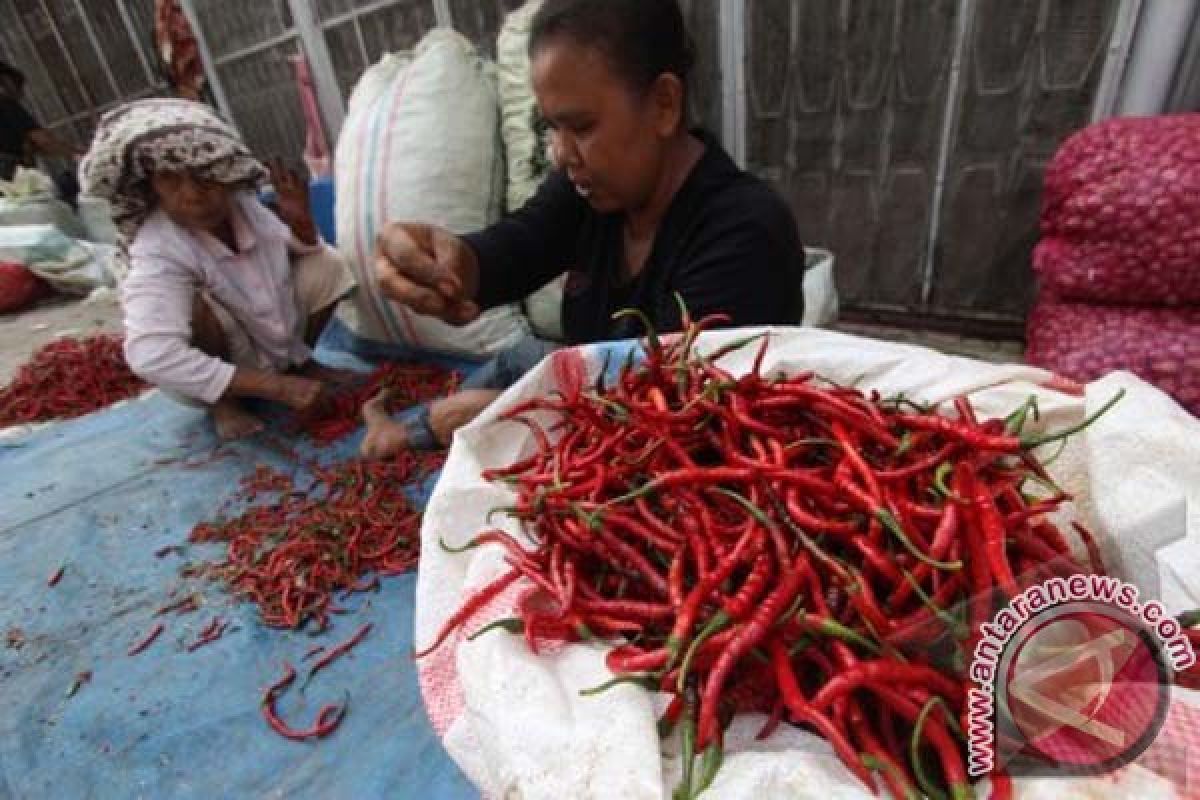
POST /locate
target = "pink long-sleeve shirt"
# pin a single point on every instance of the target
(170, 264)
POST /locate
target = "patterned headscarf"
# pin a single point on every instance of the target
(161, 134)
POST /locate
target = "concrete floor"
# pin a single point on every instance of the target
(997, 352)
(21, 334)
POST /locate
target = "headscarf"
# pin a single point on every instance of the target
(161, 134)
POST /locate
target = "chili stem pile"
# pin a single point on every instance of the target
(291, 554)
(407, 384)
(68, 378)
(778, 545)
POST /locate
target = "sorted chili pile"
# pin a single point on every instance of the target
(67, 378)
(407, 384)
(291, 554)
(778, 545)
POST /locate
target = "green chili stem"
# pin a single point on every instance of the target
(1030, 442)
(893, 525)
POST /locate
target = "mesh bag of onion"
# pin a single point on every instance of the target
(1085, 342)
(1121, 213)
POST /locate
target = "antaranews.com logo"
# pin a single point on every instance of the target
(1072, 678)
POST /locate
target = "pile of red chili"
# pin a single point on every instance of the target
(291, 554)
(407, 384)
(68, 378)
(779, 545)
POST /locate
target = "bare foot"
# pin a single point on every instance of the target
(451, 413)
(331, 375)
(233, 421)
(385, 437)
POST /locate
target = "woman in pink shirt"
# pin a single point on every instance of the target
(222, 299)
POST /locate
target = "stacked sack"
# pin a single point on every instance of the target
(1119, 260)
(421, 142)
(526, 149)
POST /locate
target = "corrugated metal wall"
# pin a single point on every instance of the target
(909, 135)
(1031, 75)
(919, 170)
(80, 57)
(707, 84)
(250, 44)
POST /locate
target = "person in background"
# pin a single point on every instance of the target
(21, 136)
(223, 300)
(640, 208)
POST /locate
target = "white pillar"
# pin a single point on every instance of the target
(1158, 46)
(732, 43)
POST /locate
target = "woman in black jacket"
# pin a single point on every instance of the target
(639, 209)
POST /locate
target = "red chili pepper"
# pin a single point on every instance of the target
(705, 587)
(185, 605)
(68, 378)
(349, 525)
(804, 711)
(1093, 549)
(741, 604)
(209, 634)
(329, 717)
(893, 772)
(146, 641)
(53, 580)
(751, 634)
(338, 651)
(478, 600)
(888, 673)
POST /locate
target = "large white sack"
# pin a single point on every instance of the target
(516, 722)
(421, 144)
(71, 266)
(526, 152)
(30, 199)
(95, 214)
(820, 290)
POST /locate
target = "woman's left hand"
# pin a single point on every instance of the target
(291, 197)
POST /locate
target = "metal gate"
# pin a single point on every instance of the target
(909, 136)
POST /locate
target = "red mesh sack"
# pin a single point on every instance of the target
(1121, 213)
(19, 288)
(1085, 342)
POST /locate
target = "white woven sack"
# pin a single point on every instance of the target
(421, 144)
(526, 152)
(516, 723)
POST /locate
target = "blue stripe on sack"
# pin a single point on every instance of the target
(370, 225)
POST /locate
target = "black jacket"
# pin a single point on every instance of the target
(727, 243)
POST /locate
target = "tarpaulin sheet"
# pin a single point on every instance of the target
(94, 495)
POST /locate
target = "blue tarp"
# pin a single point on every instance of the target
(94, 495)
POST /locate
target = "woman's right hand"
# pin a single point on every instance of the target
(297, 392)
(428, 269)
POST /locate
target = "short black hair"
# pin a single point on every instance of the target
(642, 39)
(9, 71)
